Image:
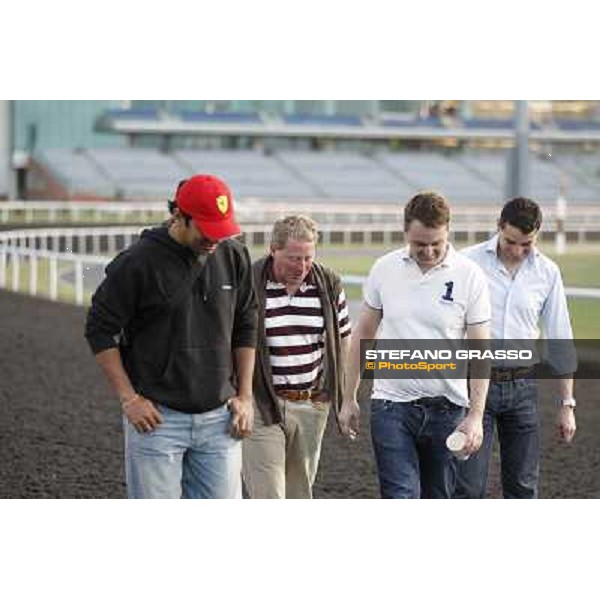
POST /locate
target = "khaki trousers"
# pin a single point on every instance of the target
(281, 461)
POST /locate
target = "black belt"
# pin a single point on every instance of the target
(431, 401)
(503, 375)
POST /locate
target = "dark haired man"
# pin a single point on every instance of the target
(173, 327)
(425, 290)
(526, 290)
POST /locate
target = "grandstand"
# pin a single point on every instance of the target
(287, 175)
(427, 170)
(141, 173)
(249, 173)
(345, 176)
(75, 172)
(345, 152)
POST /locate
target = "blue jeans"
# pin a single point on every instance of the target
(512, 406)
(186, 456)
(409, 440)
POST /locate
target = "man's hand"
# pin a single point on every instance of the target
(565, 423)
(242, 416)
(349, 418)
(142, 413)
(472, 427)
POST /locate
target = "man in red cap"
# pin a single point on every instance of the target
(173, 327)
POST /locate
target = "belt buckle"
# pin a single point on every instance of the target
(296, 395)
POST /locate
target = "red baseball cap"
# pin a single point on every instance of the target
(208, 201)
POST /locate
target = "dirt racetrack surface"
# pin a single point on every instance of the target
(60, 428)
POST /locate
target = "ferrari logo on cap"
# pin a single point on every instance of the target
(223, 204)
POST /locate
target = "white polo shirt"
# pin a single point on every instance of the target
(437, 304)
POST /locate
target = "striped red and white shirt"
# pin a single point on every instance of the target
(295, 334)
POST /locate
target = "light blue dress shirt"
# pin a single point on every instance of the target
(531, 303)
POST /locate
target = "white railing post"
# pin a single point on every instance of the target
(33, 274)
(78, 282)
(81, 244)
(16, 271)
(53, 278)
(2, 267)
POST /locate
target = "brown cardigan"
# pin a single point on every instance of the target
(329, 286)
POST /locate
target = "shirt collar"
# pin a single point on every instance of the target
(491, 246)
(448, 260)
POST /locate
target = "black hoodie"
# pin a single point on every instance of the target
(177, 318)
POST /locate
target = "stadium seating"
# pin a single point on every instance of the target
(581, 176)
(489, 166)
(248, 173)
(139, 173)
(345, 176)
(76, 172)
(428, 170)
(337, 176)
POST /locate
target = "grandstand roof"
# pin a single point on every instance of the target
(336, 126)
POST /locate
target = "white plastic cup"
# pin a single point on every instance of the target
(455, 442)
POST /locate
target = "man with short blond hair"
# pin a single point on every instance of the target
(303, 329)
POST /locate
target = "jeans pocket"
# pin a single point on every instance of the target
(379, 406)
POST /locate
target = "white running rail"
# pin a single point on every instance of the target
(33, 261)
(582, 220)
(54, 262)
